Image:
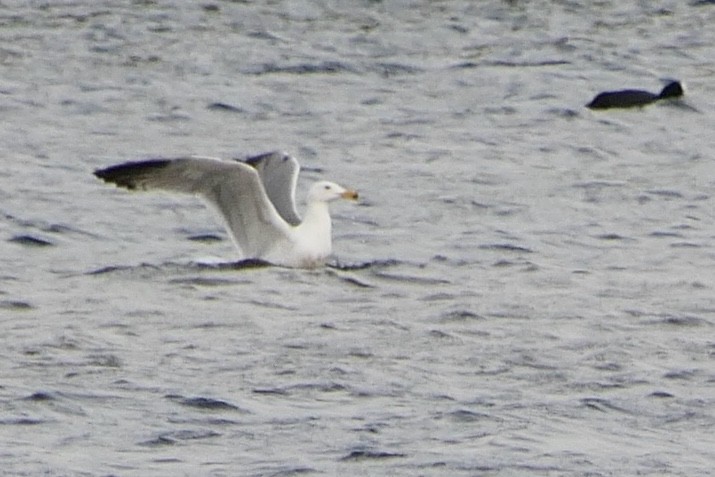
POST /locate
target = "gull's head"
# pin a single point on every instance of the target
(325, 191)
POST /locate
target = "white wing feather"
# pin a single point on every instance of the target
(233, 189)
(279, 173)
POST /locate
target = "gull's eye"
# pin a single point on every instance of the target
(327, 187)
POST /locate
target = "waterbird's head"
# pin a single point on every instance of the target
(674, 89)
(325, 191)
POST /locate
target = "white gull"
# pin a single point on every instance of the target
(255, 199)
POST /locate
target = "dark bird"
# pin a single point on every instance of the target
(629, 98)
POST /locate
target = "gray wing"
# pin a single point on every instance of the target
(279, 173)
(234, 189)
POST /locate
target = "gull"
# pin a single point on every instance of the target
(255, 200)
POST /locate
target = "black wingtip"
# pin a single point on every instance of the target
(129, 174)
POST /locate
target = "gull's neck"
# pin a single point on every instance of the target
(317, 218)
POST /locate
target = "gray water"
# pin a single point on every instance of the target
(525, 288)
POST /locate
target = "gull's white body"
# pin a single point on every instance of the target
(309, 243)
(255, 199)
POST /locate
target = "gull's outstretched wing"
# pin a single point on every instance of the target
(234, 189)
(279, 173)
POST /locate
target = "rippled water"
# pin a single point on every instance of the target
(525, 289)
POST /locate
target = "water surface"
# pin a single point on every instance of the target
(525, 288)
